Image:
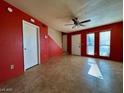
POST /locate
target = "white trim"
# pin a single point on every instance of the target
(38, 38)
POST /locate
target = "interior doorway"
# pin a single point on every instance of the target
(30, 45)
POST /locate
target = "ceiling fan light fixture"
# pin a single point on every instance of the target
(77, 23)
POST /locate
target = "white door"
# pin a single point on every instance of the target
(30, 44)
(76, 44)
(65, 43)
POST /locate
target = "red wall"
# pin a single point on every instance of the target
(55, 51)
(116, 47)
(11, 44)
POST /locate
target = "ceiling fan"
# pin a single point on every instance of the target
(77, 23)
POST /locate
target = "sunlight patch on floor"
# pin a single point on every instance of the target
(94, 70)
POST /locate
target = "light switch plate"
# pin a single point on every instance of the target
(12, 67)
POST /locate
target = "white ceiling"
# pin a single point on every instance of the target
(57, 13)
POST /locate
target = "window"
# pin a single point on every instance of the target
(104, 43)
(90, 44)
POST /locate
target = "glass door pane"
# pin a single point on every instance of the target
(90, 44)
(104, 43)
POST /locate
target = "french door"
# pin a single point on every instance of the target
(104, 44)
(90, 44)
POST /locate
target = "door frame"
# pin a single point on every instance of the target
(80, 44)
(38, 41)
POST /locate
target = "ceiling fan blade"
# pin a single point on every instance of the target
(73, 26)
(68, 24)
(85, 21)
(82, 25)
